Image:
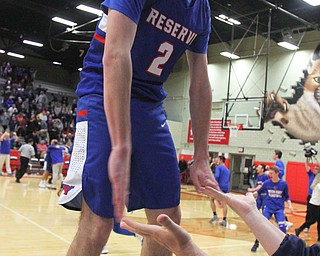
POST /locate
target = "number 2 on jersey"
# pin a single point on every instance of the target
(156, 66)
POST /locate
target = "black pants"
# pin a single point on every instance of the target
(308, 208)
(314, 217)
(24, 161)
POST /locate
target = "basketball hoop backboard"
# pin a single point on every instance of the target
(245, 112)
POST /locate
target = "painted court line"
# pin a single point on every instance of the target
(35, 224)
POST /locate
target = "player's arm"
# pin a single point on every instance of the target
(254, 189)
(245, 206)
(117, 67)
(287, 198)
(169, 234)
(200, 111)
(307, 164)
(2, 136)
(290, 205)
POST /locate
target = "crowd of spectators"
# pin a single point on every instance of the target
(33, 112)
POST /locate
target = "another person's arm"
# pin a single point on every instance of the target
(177, 240)
(2, 136)
(117, 67)
(254, 189)
(245, 206)
(290, 206)
(307, 165)
(16, 138)
(200, 111)
(169, 234)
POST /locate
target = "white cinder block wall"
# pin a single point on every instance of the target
(254, 142)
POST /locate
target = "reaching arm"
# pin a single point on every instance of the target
(245, 206)
(200, 111)
(117, 69)
(307, 164)
(169, 234)
(2, 136)
(16, 138)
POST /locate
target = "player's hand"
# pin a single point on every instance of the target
(241, 204)
(119, 175)
(169, 234)
(202, 176)
(291, 209)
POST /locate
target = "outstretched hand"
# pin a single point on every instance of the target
(241, 204)
(169, 234)
(202, 176)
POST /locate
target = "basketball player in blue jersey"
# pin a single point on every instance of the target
(277, 194)
(274, 241)
(277, 154)
(121, 125)
(222, 175)
(261, 178)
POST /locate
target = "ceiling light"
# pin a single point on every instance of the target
(85, 8)
(2, 51)
(227, 20)
(229, 55)
(313, 2)
(12, 54)
(65, 22)
(288, 45)
(79, 69)
(57, 63)
(32, 43)
(235, 22)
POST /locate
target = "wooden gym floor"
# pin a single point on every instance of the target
(32, 224)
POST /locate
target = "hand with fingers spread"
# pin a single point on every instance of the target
(168, 234)
(241, 204)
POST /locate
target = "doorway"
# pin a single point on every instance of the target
(239, 166)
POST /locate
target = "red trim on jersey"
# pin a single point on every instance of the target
(82, 112)
(101, 39)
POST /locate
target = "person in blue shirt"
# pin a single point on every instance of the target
(277, 154)
(276, 194)
(5, 147)
(311, 176)
(55, 156)
(261, 178)
(121, 129)
(222, 175)
(274, 241)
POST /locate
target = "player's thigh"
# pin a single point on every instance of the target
(174, 213)
(155, 177)
(90, 155)
(279, 216)
(267, 213)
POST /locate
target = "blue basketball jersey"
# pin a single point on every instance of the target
(261, 178)
(277, 193)
(280, 164)
(222, 176)
(165, 30)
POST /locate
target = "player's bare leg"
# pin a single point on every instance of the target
(150, 247)
(92, 234)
